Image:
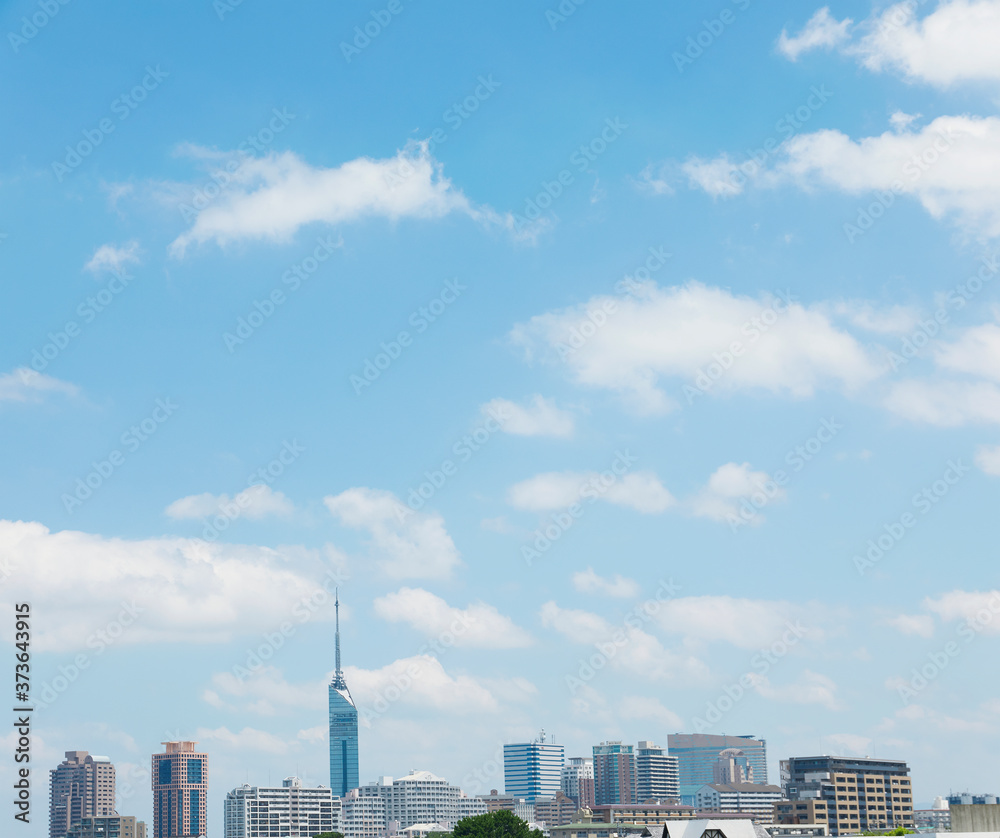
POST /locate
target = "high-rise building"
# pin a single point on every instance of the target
(656, 776)
(180, 791)
(698, 753)
(860, 794)
(289, 810)
(533, 769)
(732, 766)
(577, 781)
(420, 797)
(614, 773)
(343, 728)
(82, 786)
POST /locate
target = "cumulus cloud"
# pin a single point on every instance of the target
(273, 196)
(108, 257)
(170, 589)
(918, 624)
(636, 652)
(659, 336)
(716, 177)
(540, 418)
(641, 491)
(478, 626)
(405, 544)
(255, 502)
(809, 688)
(988, 459)
(947, 404)
(975, 352)
(26, 385)
(821, 31)
(589, 582)
(732, 489)
(979, 608)
(744, 623)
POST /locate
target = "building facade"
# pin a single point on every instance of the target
(81, 786)
(798, 812)
(555, 811)
(750, 799)
(698, 753)
(656, 776)
(860, 794)
(577, 781)
(533, 769)
(362, 817)
(421, 797)
(343, 727)
(180, 791)
(110, 826)
(289, 810)
(732, 766)
(614, 774)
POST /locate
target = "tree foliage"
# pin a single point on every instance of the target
(502, 824)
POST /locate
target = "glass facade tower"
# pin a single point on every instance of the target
(343, 729)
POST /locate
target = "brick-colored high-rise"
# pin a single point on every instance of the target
(180, 791)
(82, 786)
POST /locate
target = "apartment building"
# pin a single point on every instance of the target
(288, 810)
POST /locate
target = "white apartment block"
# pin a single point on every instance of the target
(363, 816)
(289, 810)
(751, 799)
(419, 798)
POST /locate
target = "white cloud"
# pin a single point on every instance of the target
(248, 739)
(822, 30)
(946, 404)
(716, 177)
(680, 332)
(26, 385)
(406, 544)
(273, 196)
(645, 708)
(744, 623)
(635, 651)
(182, 589)
(918, 624)
(478, 626)
(110, 258)
(654, 179)
(988, 459)
(979, 608)
(641, 491)
(810, 688)
(895, 320)
(976, 352)
(733, 487)
(849, 743)
(540, 418)
(588, 582)
(255, 502)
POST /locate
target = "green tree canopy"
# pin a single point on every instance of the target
(329, 835)
(502, 824)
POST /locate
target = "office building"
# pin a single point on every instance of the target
(343, 727)
(698, 753)
(109, 826)
(180, 791)
(577, 781)
(750, 799)
(82, 786)
(289, 810)
(533, 769)
(614, 774)
(800, 812)
(656, 777)
(860, 794)
(421, 797)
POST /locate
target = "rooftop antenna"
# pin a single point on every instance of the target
(338, 677)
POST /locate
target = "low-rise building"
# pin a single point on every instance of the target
(642, 814)
(793, 812)
(286, 810)
(555, 811)
(108, 826)
(751, 799)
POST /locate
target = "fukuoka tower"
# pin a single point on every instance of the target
(343, 729)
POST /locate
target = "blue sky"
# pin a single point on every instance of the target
(712, 324)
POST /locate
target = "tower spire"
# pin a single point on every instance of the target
(338, 676)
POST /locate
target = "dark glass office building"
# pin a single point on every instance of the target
(343, 729)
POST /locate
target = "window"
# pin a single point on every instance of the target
(164, 771)
(194, 771)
